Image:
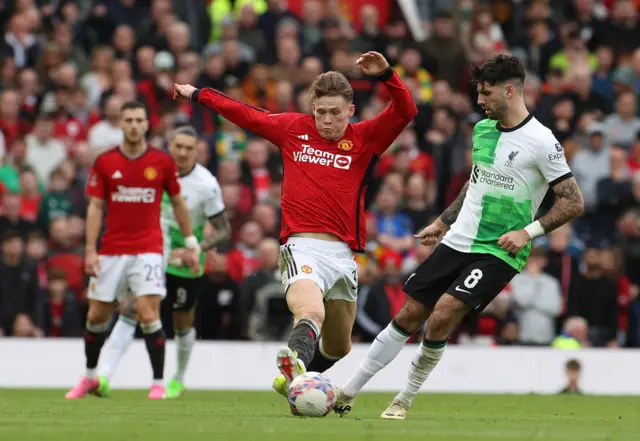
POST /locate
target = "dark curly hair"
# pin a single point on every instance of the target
(499, 69)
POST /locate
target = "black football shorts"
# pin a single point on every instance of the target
(474, 278)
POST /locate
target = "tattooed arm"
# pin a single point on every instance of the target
(431, 234)
(221, 234)
(449, 216)
(568, 204)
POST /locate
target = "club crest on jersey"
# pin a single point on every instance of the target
(345, 144)
(150, 173)
(306, 269)
(512, 157)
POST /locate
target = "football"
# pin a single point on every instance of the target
(311, 395)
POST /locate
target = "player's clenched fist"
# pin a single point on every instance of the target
(372, 63)
(431, 234)
(514, 241)
(182, 91)
(92, 264)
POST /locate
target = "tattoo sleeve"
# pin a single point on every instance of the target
(222, 232)
(568, 204)
(449, 216)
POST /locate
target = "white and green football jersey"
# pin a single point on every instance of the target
(512, 171)
(202, 193)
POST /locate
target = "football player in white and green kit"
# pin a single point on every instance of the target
(486, 233)
(203, 196)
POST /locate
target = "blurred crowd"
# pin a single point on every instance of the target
(66, 66)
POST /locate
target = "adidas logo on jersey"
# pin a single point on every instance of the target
(116, 175)
(304, 137)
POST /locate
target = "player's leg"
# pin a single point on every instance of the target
(478, 284)
(340, 314)
(147, 281)
(182, 294)
(102, 295)
(335, 343)
(424, 288)
(304, 290)
(121, 337)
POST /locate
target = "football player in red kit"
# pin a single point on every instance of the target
(327, 163)
(129, 182)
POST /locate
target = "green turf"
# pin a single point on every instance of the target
(43, 415)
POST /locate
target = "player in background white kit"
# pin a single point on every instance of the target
(203, 196)
(487, 231)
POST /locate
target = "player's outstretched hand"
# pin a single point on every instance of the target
(372, 63)
(431, 234)
(191, 258)
(514, 241)
(92, 264)
(182, 91)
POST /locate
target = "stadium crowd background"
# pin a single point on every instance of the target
(66, 67)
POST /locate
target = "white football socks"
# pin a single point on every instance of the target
(382, 351)
(426, 358)
(117, 344)
(185, 340)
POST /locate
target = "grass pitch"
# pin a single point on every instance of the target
(44, 415)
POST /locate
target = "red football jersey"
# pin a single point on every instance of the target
(324, 180)
(132, 190)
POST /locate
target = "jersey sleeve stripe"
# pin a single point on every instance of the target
(560, 179)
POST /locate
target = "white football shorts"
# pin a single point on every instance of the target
(331, 265)
(142, 274)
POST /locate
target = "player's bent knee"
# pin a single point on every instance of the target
(446, 315)
(148, 308)
(99, 312)
(182, 320)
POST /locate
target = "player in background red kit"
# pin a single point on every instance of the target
(327, 164)
(129, 182)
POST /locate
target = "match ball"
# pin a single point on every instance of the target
(311, 395)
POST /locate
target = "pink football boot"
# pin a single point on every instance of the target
(157, 392)
(85, 386)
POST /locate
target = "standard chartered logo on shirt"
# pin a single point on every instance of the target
(494, 179)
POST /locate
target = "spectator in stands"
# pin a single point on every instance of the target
(394, 227)
(591, 164)
(18, 288)
(615, 193)
(594, 296)
(263, 299)
(444, 46)
(10, 218)
(30, 196)
(243, 260)
(268, 217)
(57, 202)
(573, 370)
(420, 199)
(107, 133)
(379, 304)
(219, 315)
(20, 42)
(536, 301)
(575, 334)
(57, 312)
(623, 126)
(44, 152)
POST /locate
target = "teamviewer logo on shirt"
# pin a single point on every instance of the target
(343, 162)
(320, 157)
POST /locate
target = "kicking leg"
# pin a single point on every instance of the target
(335, 343)
(383, 350)
(148, 308)
(446, 316)
(121, 337)
(96, 332)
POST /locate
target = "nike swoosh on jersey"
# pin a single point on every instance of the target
(462, 290)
